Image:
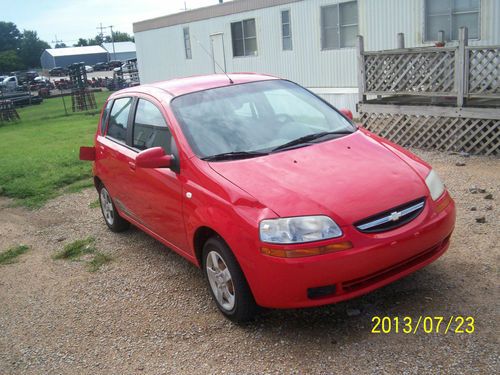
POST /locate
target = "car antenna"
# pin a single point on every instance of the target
(212, 56)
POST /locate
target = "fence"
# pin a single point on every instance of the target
(461, 71)
(445, 98)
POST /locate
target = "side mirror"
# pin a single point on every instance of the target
(153, 158)
(347, 113)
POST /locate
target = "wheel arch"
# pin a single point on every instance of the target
(202, 235)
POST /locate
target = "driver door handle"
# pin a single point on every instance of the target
(131, 164)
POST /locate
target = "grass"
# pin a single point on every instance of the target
(76, 249)
(39, 153)
(95, 204)
(10, 256)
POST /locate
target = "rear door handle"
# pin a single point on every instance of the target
(131, 164)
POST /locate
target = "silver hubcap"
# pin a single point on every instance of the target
(107, 207)
(220, 280)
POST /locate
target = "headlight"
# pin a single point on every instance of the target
(434, 184)
(298, 229)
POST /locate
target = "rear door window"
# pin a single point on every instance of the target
(150, 128)
(118, 119)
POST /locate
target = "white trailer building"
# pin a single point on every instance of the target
(311, 42)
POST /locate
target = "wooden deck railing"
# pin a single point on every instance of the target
(461, 71)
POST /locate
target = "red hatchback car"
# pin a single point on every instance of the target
(280, 198)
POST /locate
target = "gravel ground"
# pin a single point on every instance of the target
(149, 311)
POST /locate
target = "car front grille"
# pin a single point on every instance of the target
(391, 219)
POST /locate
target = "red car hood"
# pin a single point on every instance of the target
(348, 179)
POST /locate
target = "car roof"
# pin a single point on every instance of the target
(181, 86)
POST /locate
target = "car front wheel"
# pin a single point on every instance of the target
(227, 283)
(113, 220)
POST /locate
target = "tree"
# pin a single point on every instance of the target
(9, 36)
(9, 61)
(31, 48)
(60, 45)
(81, 43)
(118, 36)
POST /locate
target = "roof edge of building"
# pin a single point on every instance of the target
(199, 14)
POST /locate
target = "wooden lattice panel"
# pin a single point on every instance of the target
(475, 136)
(418, 72)
(484, 70)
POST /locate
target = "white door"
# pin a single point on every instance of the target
(218, 55)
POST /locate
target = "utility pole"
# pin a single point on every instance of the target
(56, 41)
(113, 41)
(100, 27)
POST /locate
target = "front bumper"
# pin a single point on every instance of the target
(374, 261)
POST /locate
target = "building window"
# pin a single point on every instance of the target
(187, 44)
(339, 25)
(244, 38)
(286, 30)
(449, 16)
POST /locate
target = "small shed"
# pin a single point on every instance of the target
(63, 57)
(120, 50)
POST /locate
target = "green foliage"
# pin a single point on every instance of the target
(9, 256)
(81, 43)
(76, 249)
(23, 49)
(98, 261)
(60, 45)
(9, 61)
(9, 36)
(119, 36)
(31, 48)
(39, 153)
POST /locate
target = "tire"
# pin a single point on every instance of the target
(111, 216)
(226, 282)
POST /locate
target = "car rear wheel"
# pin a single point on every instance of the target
(227, 283)
(113, 220)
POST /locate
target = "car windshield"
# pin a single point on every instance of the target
(255, 118)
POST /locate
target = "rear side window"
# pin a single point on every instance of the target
(104, 117)
(118, 119)
(150, 128)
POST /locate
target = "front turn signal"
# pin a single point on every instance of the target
(306, 252)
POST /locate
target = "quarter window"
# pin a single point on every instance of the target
(104, 116)
(449, 16)
(339, 25)
(244, 36)
(286, 30)
(150, 128)
(187, 43)
(118, 119)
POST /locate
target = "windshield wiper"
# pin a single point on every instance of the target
(234, 155)
(308, 138)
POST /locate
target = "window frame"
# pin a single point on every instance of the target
(339, 25)
(425, 23)
(244, 38)
(290, 35)
(136, 107)
(103, 123)
(131, 110)
(188, 50)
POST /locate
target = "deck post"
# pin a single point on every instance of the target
(361, 69)
(401, 40)
(460, 67)
(440, 36)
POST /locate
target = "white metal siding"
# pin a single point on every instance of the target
(160, 52)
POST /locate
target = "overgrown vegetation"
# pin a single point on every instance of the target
(95, 204)
(77, 249)
(39, 155)
(10, 256)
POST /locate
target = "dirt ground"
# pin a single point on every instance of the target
(149, 311)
